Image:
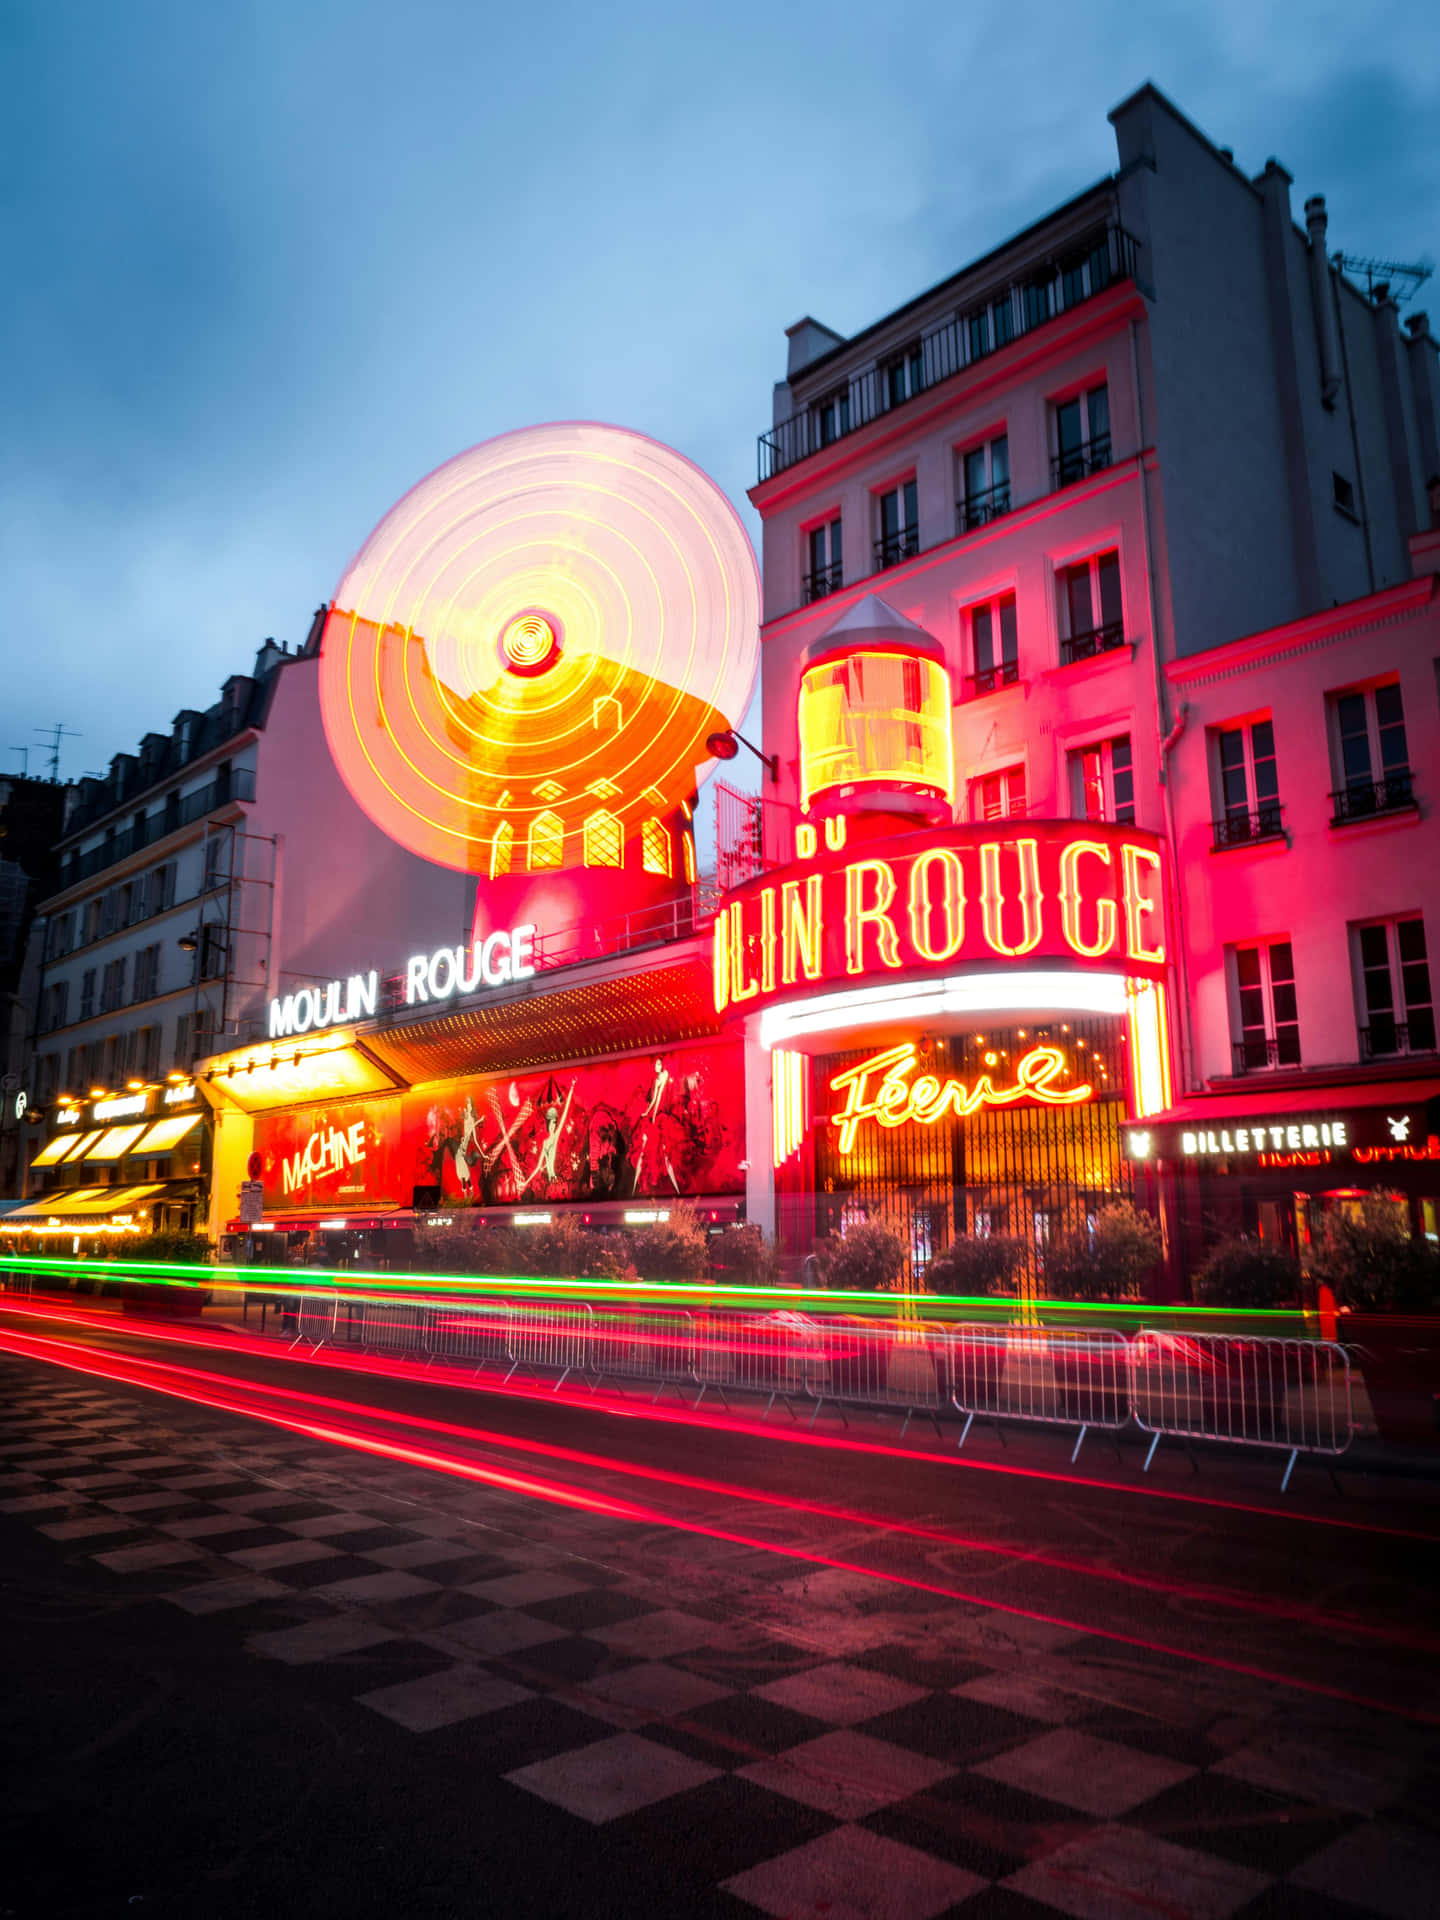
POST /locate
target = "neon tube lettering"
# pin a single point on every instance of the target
(992, 898)
(1138, 905)
(1071, 899)
(951, 904)
(767, 940)
(897, 1099)
(720, 960)
(858, 916)
(740, 987)
(800, 930)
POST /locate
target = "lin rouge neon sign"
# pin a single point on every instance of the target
(887, 1089)
(976, 894)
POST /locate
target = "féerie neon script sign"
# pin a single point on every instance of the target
(884, 1089)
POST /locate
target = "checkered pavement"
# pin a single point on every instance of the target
(895, 1755)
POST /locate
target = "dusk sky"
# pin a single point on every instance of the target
(272, 262)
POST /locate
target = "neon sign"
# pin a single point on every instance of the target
(315, 1007)
(327, 1151)
(497, 958)
(884, 1089)
(1089, 895)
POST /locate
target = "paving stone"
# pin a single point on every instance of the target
(612, 1777)
(845, 1773)
(444, 1698)
(840, 1694)
(852, 1874)
(1077, 1770)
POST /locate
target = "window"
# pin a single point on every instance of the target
(162, 887)
(502, 846)
(1394, 980)
(995, 795)
(184, 1056)
(147, 1053)
(984, 484)
(1264, 1019)
(824, 572)
(1082, 436)
(655, 848)
(57, 998)
(112, 986)
(1249, 785)
(604, 840)
(212, 951)
(87, 993)
(94, 918)
(1086, 589)
(75, 1070)
(47, 1076)
(904, 376)
(993, 644)
(547, 841)
(217, 859)
(59, 938)
(832, 416)
(1372, 755)
(1102, 781)
(1344, 494)
(109, 908)
(899, 526)
(112, 1059)
(146, 975)
(687, 849)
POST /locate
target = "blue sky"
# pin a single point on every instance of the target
(274, 260)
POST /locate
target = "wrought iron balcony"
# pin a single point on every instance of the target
(823, 580)
(1364, 800)
(175, 813)
(1095, 640)
(979, 509)
(1261, 1055)
(1079, 462)
(989, 678)
(1243, 829)
(1045, 291)
(1385, 1037)
(895, 547)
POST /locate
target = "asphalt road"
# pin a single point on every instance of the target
(293, 1637)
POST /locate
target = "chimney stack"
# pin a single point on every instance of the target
(1322, 295)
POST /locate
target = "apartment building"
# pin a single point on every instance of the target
(1148, 486)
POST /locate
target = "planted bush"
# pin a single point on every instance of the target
(741, 1256)
(1375, 1264)
(976, 1264)
(1111, 1262)
(1245, 1272)
(868, 1258)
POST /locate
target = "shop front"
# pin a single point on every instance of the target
(136, 1162)
(1274, 1166)
(956, 1024)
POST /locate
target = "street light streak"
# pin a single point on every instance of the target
(237, 1401)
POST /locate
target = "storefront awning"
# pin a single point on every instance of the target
(89, 1203)
(1300, 1102)
(54, 1151)
(165, 1135)
(113, 1144)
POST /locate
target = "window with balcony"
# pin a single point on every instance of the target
(1372, 757)
(832, 416)
(1247, 783)
(904, 375)
(1082, 436)
(899, 515)
(1265, 1021)
(995, 795)
(1102, 781)
(824, 571)
(1393, 972)
(1091, 612)
(984, 484)
(993, 644)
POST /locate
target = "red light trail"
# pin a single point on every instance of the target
(256, 1402)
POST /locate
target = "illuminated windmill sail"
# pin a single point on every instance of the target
(534, 644)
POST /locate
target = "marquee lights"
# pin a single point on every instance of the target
(884, 1089)
(969, 895)
(1012, 990)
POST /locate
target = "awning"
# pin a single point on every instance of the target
(76, 1204)
(114, 1143)
(55, 1150)
(165, 1135)
(1241, 1100)
(53, 1204)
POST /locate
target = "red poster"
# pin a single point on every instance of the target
(345, 1154)
(656, 1124)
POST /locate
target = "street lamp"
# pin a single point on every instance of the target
(726, 744)
(188, 942)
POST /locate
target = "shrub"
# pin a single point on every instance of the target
(1373, 1263)
(673, 1249)
(1109, 1263)
(741, 1256)
(973, 1264)
(868, 1258)
(187, 1249)
(1241, 1272)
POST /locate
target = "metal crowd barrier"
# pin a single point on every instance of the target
(1288, 1394)
(1285, 1394)
(1060, 1376)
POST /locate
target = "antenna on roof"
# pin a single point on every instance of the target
(1381, 275)
(55, 735)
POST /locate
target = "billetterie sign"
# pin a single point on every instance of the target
(491, 960)
(1079, 892)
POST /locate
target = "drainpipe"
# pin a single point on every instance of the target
(1322, 294)
(1168, 740)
